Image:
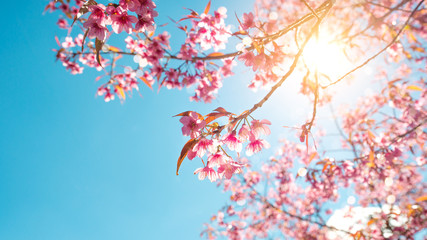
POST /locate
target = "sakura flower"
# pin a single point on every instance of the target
(98, 14)
(244, 132)
(217, 159)
(132, 5)
(62, 23)
(108, 96)
(79, 40)
(202, 145)
(112, 10)
(256, 145)
(145, 23)
(68, 42)
(123, 22)
(260, 127)
(192, 125)
(232, 141)
(248, 21)
(207, 172)
(228, 169)
(95, 30)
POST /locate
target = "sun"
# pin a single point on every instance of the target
(326, 57)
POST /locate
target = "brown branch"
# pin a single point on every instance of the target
(378, 53)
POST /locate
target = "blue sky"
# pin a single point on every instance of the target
(75, 167)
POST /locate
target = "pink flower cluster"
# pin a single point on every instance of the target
(206, 31)
(207, 140)
(119, 18)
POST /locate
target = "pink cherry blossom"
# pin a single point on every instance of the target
(244, 132)
(232, 141)
(203, 145)
(95, 30)
(228, 169)
(62, 23)
(260, 127)
(207, 172)
(122, 22)
(248, 21)
(256, 145)
(192, 125)
(217, 159)
(68, 43)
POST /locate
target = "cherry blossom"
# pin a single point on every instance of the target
(192, 125)
(207, 172)
(381, 137)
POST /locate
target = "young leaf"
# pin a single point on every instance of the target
(187, 147)
(207, 7)
(113, 49)
(84, 37)
(216, 54)
(311, 157)
(414, 87)
(421, 199)
(120, 91)
(146, 82)
(98, 47)
(187, 113)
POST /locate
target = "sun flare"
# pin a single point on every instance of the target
(325, 57)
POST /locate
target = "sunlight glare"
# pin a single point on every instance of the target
(328, 58)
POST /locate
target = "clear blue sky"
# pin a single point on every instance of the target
(75, 167)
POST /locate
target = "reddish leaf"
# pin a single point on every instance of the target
(212, 117)
(183, 28)
(207, 7)
(325, 166)
(306, 142)
(414, 87)
(311, 157)
(239, 33)
(371, 135)
(113, 49)
(189, 145)
(194, 13)
(84, 37)
(187, 113)
(120, 91)
(216, 54)
(146, 82)
(219, 112)
(98, 47)
(238, 19)
(421, 199)
(373, 220)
